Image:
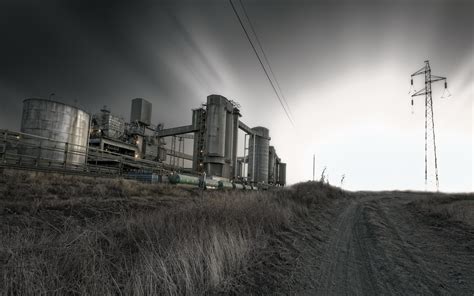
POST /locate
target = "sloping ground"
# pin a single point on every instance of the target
(458, 208)
(76, 235)
(390, 244)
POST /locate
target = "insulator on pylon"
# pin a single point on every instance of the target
(446, 94)
(412, 102)
(412, 81)
(445, 84)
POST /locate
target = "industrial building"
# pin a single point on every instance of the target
(57, 136)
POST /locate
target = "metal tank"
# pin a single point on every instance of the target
(220, 134)
(216, 122)
(235, 140)
(271, 165)
(282, 174)
(64, 130)
(239, 167)
(277, 170)
(183, 179)
(258, 155)
(229, 138)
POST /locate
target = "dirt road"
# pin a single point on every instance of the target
(381, 245)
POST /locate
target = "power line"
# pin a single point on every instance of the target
(261, 63)
(265, 57)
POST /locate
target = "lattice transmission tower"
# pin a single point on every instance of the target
(431, 158)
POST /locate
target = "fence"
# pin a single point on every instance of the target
(26, 151)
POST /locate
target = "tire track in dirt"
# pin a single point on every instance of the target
(377, 246)
(404, 270)
(432, 260)
(346, 262)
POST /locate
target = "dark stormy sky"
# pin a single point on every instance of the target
(344, 67)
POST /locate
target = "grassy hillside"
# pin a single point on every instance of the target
(78, 235)
(458, 208)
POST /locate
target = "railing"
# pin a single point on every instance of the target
(20, 150)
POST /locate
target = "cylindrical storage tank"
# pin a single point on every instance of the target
(65, 130)
(271, 165)
(225, 185)
(282, 174)
(229, 137)
(216, 123)
(183, 179)
(258, 160)
(235, 140)
(238, 169)
(277, 170)
(212, 184)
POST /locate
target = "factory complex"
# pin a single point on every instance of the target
(62, 138)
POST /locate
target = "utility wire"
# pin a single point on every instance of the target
(265, 57)
(261, 63)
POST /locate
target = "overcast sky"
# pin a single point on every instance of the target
(344, 67)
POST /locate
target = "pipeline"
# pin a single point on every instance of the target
(209, 183)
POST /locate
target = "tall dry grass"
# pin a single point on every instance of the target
(458, 207)
(85, 236)
(17, 186)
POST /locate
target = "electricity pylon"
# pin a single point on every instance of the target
(430, 138)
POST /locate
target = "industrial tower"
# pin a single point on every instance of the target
(430, 138)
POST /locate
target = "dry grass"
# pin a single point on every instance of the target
(455, 207)
(76, 235)
(36, 185)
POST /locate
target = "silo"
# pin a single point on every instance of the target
(235, 140)
(239, 167)
(215, 134)
(216, 122)
(277, 170)
(271, 165)
(282, 174)
(229, 137)
(258, 160)
(64, 129)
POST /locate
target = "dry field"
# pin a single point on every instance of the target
(458, 208)
(87, 236)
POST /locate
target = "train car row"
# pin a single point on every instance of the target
(180, 179)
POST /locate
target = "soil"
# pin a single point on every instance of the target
(381, 244)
